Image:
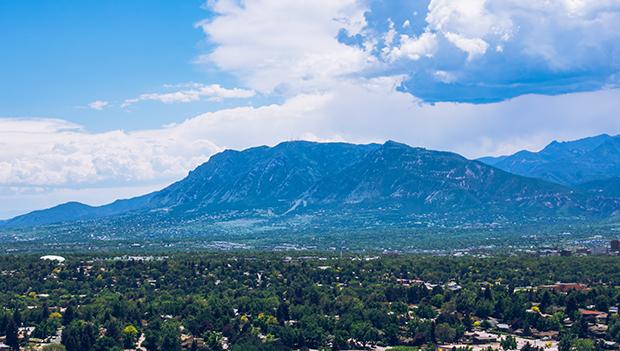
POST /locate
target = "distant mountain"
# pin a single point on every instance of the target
(567, 163)
(492, 160)
(75, 211)
(300, 177)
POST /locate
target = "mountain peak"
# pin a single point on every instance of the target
(396, 144)
(567, 162)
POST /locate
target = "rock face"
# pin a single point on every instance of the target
(567, 163)
(305, 177)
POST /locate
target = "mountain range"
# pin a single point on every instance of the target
(568, 163)
(308, 178)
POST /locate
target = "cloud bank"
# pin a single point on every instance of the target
(45, 152)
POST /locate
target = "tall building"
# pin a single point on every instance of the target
(615, 246)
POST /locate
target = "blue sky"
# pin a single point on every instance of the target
(61, 55)
(108, 99)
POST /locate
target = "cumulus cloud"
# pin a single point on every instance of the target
(285, 46)
(491, 50)
(546, 47)
(412, 48)
(193, 92)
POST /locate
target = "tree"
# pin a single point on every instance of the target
(509, 343)
(11, 334)
(45, 312)
(17, 317)
(53, 347)
(425, 311)
(106, 343)
(79, 336)
(445, 333)
(170, 337)
(583, 345)
(151, 340)
(566, 342)
(130, 335)
(69, 315)
(530, 347)
(571, 305)
(44, 329)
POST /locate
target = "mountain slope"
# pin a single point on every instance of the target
(608, 187)
(567, 163)
(259, 177)
(75, 211)
(421, 180)
(295, 178)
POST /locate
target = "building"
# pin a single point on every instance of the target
(615, 246)
(584, 251)
(592, 316)
(55, 258)
(565, 287)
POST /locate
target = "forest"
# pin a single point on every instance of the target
(284, 301)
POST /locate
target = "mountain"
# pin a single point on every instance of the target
(608, 187)
(432, 181)
(75, 211)
(567, 163)
(295, 178)
(492, 160)
(259, 178)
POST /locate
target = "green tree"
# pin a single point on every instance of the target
(508, 343)
(11, 334)
(445, 333)
(79, 336)
(170, 336)
(566, 342)
(130, 335)
(583, 345)
(69, 315)
(54, 347)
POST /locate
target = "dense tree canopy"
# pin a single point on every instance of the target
(269, 301)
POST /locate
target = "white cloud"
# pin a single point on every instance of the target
(413, 48)
(549, 47)
(565, 34)
(472, 46)
(445, 77)
(193, 92)
(98, 105)
(293, 47)
(286, 46)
